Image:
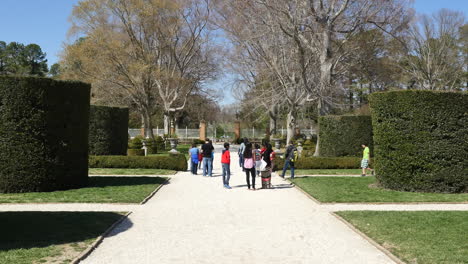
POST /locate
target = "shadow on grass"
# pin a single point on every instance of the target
(123, 181)
(24, 230)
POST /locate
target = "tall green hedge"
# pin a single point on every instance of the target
(176, 162)
(43, 134)
(343, 135)
(108, 130)
(421, 140)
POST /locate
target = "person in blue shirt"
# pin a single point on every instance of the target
(193, 152)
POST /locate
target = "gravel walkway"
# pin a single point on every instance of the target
(194, 219)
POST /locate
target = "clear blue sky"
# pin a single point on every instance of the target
(45, 22)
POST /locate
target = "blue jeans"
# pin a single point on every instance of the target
(241, 161)
(194, 167)
(287, 164)
(207, 166)
(226, 173)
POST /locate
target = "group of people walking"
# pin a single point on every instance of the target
(254, 160)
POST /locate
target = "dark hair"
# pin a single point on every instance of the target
(207, 139)
(246, 140)
(226, 145)
(248, 151)
(269, 147)
(194, 145)
(257, 146)
(364, 144)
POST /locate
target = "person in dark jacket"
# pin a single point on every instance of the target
(226, 165)
(290, 158)
(207, 150)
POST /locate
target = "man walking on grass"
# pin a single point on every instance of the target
(226, 164)
(365, 160)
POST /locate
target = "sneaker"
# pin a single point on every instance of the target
(225, 186)
(363, 175)
(229, 187)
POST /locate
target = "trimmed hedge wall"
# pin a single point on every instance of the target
(108, 130)
(322, 163)
(176, 162)
(43, 134)
(343, 135)
(421, 140)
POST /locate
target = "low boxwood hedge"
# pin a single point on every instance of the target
(342, 136)
(322, 163)
(43, 134)
(176, 162)
(421, 140)
(108, 130)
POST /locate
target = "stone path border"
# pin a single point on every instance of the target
(155, 191)
(370, 240)
(98, 240)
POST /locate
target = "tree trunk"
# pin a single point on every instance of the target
(167, 122)
(273, 113)
(148, 124)
(291, 124)
(323, 109)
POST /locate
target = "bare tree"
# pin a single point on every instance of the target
(435, 59)
(143, 52)
(267, 60)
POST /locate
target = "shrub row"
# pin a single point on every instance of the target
(322, 163)
(421, 140)
(343, 135)
(43, 134)
(108, 130)
(170, 162)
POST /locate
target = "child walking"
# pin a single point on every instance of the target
(194, 152)
(365, 160)
(226, 165)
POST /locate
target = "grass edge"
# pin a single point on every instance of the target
(368, 239)
(98, 241)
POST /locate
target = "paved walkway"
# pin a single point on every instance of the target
(195, 220)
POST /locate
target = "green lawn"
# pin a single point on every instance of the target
(417, 237)
(355, 190)
(326, 172)
(130, 172)
(100, 190)
(52, 237)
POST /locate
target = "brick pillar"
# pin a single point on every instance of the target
(237, 129)
(142, 131)
(202, 130)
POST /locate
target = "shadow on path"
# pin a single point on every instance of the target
(24, 230)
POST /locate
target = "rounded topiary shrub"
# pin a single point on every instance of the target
(421, 140)
(108, 130)
(43, 134)
(343, 135)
